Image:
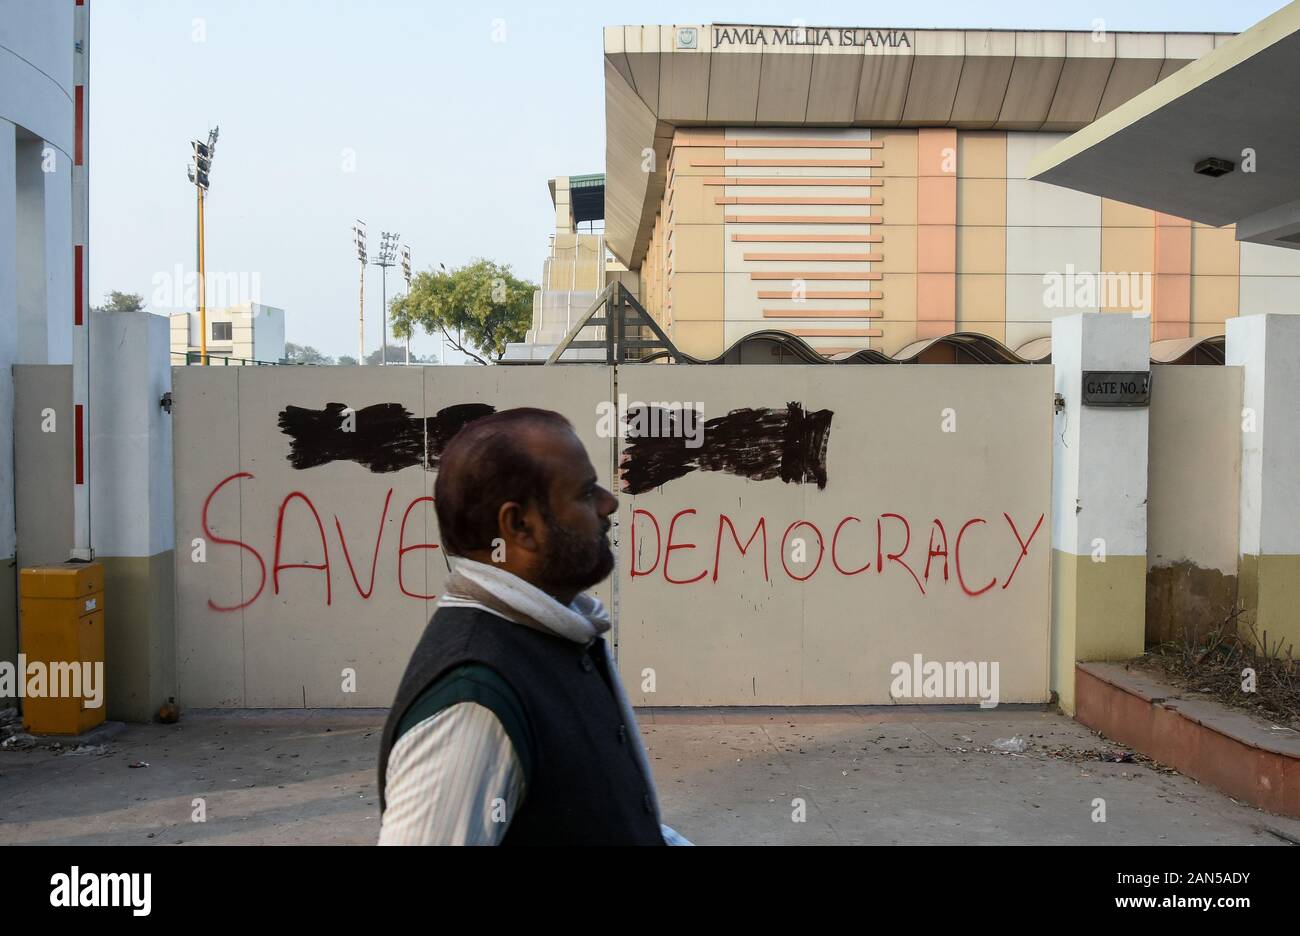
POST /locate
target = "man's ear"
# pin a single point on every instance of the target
(518, 526)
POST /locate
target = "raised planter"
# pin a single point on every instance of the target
(1213, 744)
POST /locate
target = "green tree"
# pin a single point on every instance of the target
(304, 354)
(482, 305)
(122, 302)
(397, 355)
(346, 360)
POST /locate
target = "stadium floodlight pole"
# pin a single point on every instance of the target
(199, 172)
(406, 275)
(387, 251)
(359, 238)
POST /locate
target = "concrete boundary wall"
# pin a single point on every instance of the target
(260, 623)
(1194, 473)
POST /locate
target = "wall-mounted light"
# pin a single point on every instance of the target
(1213, 167)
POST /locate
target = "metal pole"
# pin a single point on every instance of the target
(383, 292)
(362, 316)
(203, 299)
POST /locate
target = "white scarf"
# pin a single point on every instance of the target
(496, 591)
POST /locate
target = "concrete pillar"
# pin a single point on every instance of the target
(43, 177)
(1099, 493)
(8, 357)
(1267, 347)
(131, 509)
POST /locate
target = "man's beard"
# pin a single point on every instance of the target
(574, 562)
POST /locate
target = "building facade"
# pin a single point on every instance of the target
(248, 333)
(865, 188)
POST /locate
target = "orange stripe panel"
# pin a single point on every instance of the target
(823, 313)
(793, 163)
(791, 180)
(805, 143)
(795, 200)
(832, 257)
(809, 238)
(789, 294)
(803, 219)
(835, 332)
(833, 275)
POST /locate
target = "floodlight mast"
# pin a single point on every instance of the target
(387, 252)
(199, 172)
(359, 238)
(406, 274)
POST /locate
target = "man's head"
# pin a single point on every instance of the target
(517, 489)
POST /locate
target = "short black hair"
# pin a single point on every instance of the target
(487, 464)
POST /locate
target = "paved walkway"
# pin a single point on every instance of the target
(921, 775)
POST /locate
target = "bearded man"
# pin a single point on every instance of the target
(511, 726)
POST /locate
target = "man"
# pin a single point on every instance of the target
(510, 725)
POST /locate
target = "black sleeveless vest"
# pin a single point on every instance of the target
(587, 787)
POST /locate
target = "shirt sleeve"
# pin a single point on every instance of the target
(454, 778)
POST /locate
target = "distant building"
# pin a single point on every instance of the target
(248, 333)
(870, 189)
(577, 268)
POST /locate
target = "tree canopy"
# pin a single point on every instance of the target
(122, 302)
(479, 308)
(304, 354)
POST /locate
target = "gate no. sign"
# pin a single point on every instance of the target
(1116, 388)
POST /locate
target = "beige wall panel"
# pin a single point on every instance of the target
(981, 250)
(898, 248)
(685, 159)
(982, 202)
(833, 638)
(1215, 299)
(700, 339)
(1215, 252)
(1194, 466)
(981, 304)
(205, 446)
(289, 648)
(899, 297)
(897, 335)
(1128, 250)
(1121, 214)
(693, 201)
(899, 195)
(697, 248)
(898, 152)
(1192, 502)
(697, 296)
(43, 462)
(982, 154)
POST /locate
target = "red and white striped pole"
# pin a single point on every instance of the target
(81, 542)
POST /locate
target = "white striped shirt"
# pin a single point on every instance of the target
(452, 779)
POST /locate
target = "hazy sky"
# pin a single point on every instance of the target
(452, 134)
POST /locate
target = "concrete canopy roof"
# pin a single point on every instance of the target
(658, 78)
(1241, 96)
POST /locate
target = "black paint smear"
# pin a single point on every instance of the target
(387, 437)
(758, 444)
